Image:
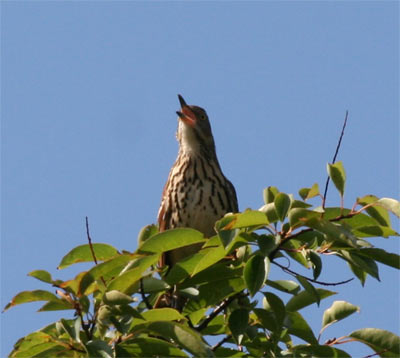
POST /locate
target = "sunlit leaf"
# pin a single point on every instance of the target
(114, 297)
(337, 174)
(171, 239)
(269, 194)
(41, 275)
(270, 212)
(304, 299)
(31, 296)
(308, 193)
(390, 205)
(286, 286)
(83, 253)
(338, 311)
(379, 213)
(211, 256)
(298, 216)
(364, 263)
(105, 270)
(147, 347)
(147, 232)
(127, 280)
(162, 314)
(378, 339)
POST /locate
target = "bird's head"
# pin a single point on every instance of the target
(194, 129)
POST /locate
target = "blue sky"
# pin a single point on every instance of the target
(88, 123)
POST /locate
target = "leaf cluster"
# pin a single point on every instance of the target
(229, 296)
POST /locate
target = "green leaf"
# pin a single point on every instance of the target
(83, 253)
(58, 305)
(309, 288)
(69, 327)
(274, 303)
(316, 264)
(267, 319)
(379, 213)
(390, 205)
(364, 263)
(337, 174)
(126, 281)
(317, 351)
(162, 314)
(378, 339)
(171, 239)
(214, 292)
(147, 232)
(114, 297)
(238, 323)
(211, 256)
(334, 232)
(308, 193)
(304, 299)
(381, 256)
(338, 311)
(299, 327)
(182, 335)
(255, 273)
(106, 270)
(270, 212)
(282, 205)
(269, 194)
(147, 347)
(374, 231)
(245, 219)
(286, 286)
(31, 296)
(268, 243)
(99, 349)
(41, 275)
(298, 216)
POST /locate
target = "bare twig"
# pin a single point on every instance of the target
(91, 248)
(90, 241)
(376, 354)
(286, 269)
(216, 312)
(334, 158)
(221, 342)
(144, 298)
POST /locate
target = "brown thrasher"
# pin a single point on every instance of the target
(197, 193)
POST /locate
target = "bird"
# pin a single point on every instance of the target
(196, 193)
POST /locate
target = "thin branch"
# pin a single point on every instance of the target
(91, 248)
(334, 158)
(216, 312)
(90, 241)
(144, 298)
(221, 342)
(376, 354)
(286, 269)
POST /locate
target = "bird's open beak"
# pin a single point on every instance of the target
(186, 114)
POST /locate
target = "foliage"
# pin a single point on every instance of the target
(112, 303)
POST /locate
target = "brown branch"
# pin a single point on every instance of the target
(216, 312)
(221, 342)
(376, 354)
(91, 248)
(334, 158)
(293, 273)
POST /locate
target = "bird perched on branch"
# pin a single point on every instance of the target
(197, 193)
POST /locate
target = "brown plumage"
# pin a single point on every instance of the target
(197, 193)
